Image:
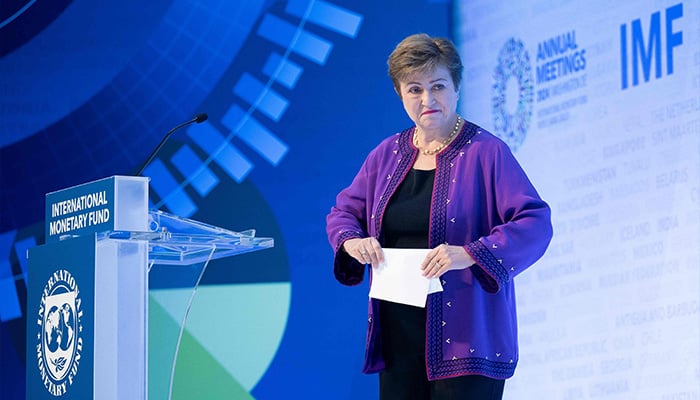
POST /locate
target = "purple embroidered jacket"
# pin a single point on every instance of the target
(482, 200)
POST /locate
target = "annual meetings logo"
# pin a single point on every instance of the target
(513, 62)
(58, 342)
(560, 76)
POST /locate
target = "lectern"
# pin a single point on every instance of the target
(87, 295)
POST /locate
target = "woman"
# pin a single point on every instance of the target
(444, 184)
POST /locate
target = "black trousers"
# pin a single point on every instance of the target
(405, 376)
(413, 385)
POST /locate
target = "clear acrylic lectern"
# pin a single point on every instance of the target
(123, 359)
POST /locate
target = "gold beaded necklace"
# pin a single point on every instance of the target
(429, 152)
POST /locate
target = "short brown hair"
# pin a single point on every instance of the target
(422, 53)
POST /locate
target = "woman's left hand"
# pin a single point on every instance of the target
(444, 258)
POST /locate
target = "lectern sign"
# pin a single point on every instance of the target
(59, 341)
(117, 203)
(79, 210)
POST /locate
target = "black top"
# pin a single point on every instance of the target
(406, 224)
(406, 221)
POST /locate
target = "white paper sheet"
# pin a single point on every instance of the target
(399, 278)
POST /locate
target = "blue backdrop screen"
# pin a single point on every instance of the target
(297, 94)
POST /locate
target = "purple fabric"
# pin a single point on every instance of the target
(482, 200)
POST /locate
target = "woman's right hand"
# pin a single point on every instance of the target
(365, 250)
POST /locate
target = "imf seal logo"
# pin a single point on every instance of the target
(511, 123)
(59, 344)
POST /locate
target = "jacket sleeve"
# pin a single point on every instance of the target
(347, 220)
(519, 223)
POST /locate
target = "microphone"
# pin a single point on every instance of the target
(199, 118)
